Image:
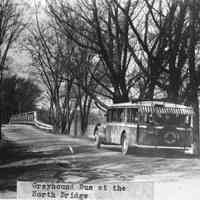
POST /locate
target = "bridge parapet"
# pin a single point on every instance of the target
(29, 118)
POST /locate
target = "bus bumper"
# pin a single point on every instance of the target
(186, 150)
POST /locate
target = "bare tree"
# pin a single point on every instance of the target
(52, 56)
(11, 25)
(154, 43)
(87, 87)
(101, 27)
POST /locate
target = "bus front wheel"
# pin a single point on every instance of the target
(97, 141)
(124, 145)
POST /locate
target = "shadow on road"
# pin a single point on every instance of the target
(87, 168)
(56, 172)
(10, 151)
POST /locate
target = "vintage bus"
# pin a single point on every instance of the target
(147, 124)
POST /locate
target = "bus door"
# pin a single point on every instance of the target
(116, 125)
(145, 131)
(132, 125)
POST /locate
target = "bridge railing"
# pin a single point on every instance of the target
(29, 118)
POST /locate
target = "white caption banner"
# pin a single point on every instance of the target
(70, 191)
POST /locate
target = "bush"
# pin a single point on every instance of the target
(19, 95)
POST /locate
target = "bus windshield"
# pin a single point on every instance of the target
(170, 119)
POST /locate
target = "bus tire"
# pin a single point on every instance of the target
(97, 141)
(124, 144)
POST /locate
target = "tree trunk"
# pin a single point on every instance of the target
(76, 120)
(1, 103)
(84, 124)
(193, 73)
(149, 93)
(174, 86)
(118, 97)
(0, 122)
(152, 78)
(51, 114)
(195, 105)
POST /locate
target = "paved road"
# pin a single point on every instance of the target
(32, 154)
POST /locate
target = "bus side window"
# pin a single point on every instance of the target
(142, 117)
(121, 115)
(145, 117)
(149, 118)
(117, 115)
(132, 115)
(114, 115)
(188, 121)
(136, 117)
(109, 115)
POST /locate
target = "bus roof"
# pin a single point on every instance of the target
(156, 106)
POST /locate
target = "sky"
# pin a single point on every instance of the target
(19, 60)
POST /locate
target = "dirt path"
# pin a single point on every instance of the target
(32, 154)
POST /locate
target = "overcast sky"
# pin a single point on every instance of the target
(20, 60)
